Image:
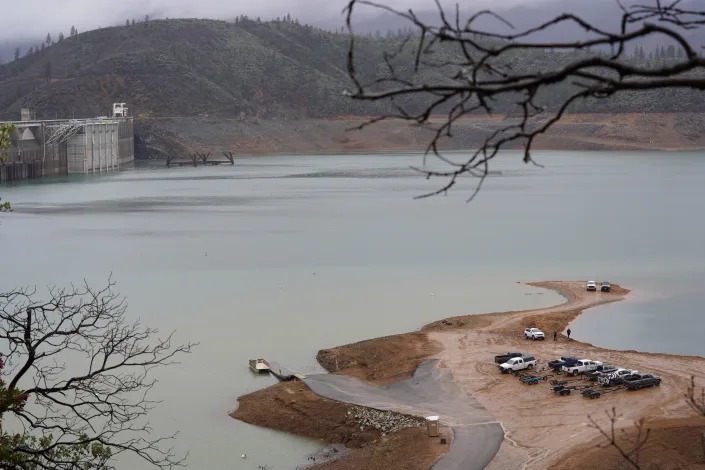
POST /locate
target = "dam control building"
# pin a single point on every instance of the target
(69, 146)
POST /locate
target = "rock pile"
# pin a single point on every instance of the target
(385, 421)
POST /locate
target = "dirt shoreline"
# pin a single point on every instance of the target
(542, 430)
(596, 132)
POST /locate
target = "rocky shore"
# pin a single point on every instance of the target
(386, 422)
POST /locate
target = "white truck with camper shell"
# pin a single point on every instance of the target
(518, 363)
(581, 367)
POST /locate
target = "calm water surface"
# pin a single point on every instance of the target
(279, 257)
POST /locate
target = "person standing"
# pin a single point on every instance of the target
(555, 335)
(568, 333)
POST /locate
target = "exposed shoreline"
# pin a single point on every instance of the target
(594, 132)
(537, 425)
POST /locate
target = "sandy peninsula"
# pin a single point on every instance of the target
(541, 429)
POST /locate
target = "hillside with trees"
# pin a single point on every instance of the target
(247, 68)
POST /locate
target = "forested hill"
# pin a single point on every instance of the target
(270, 70)
(183, 67)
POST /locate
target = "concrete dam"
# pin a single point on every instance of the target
(69, 146)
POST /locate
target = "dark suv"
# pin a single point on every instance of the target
(606, 287)
(563, 361)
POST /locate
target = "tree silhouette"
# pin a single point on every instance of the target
(78, 417)
(480, 77)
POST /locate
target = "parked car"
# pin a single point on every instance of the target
(637, 381)
(534, 334)
(563, 361)
(501, 359)
(581, 367)
(518, 363)
(606, 287)
(614, 378)
(591, 285)
(600, 370)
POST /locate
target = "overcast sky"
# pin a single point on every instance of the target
(33, 18)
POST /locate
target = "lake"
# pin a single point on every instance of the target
(278, 257)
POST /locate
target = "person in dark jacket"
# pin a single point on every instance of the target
(555, 335)
(568, 333)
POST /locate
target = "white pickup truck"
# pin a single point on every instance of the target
(518, 363)
(582, 366)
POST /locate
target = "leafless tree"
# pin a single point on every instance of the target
(84, 373)
(629, 449)
(696, 400)
(481, 77)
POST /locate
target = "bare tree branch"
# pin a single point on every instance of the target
(694, 399)
(474, 73)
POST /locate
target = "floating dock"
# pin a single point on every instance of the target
(276, 369)
(259, 365)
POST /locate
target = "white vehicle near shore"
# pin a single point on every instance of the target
(581, 367)
(534, 334)
(518, 363)
(591, 285)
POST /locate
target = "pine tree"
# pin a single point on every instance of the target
(17, 54)
(146, 18)
(42, 48)
(48, 41)
(127, 22)
(133, 21)
(61, 37)
(30, 51)
(671, 51)
(47, 71)
(73, 31)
